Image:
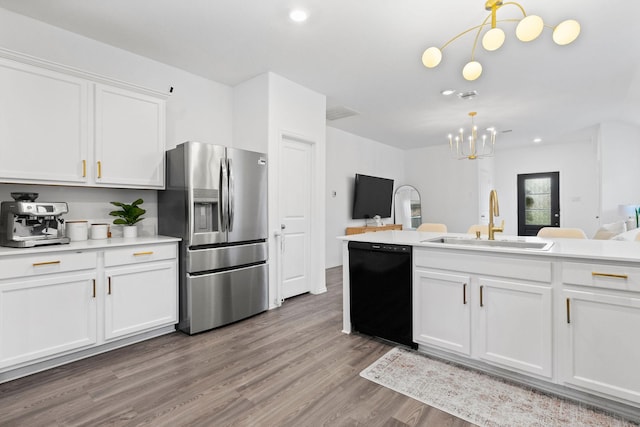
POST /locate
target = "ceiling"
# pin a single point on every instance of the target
(365, 55)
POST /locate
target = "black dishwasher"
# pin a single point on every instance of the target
(380, 291)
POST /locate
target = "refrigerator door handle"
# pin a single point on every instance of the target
(224, 195)
(231, 195)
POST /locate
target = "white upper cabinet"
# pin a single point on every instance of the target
(61, 126)
(129, 138)
(44, 125)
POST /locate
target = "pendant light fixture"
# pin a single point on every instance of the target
(473, 147)
(528, 29)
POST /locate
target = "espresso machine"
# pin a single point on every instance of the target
(26, 223)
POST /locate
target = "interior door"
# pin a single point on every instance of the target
(538, 202)
(295, 214)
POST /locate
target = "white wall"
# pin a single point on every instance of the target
(299, 112)
(266, 108)
(198, 109)
(251, 114)
(348, 154)
(620, 158)
(579, 186)
(448, 187)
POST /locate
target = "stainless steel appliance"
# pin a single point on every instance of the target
(27, 223)
(216, 201)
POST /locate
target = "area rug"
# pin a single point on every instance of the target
(477, 397)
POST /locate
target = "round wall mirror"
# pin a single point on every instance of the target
(408, 208)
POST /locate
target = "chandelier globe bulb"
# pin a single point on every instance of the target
(529, 28)
(493, 39)
(566, 32)
(431, 57)
(472, 70)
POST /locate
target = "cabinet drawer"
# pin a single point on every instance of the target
(137, 254)
(606, 276)
(490, 265)
(46, 263)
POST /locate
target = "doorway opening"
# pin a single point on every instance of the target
(538, 202)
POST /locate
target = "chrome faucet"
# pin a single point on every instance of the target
(494, 209)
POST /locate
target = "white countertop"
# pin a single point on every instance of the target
(605, 250)
(89, 244)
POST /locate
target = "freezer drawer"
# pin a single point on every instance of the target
(225, 257)
(217, 299)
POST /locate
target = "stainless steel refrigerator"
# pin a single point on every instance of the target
(215, 199)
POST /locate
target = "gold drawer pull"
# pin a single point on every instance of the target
(99, 169)
(84, 168)
(616, 276)
(36, 264)
(143, 253)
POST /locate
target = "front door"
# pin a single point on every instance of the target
(295, 215)
(538, 202)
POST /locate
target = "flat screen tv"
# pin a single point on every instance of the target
(372, 196)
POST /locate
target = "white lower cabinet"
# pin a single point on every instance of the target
(497, 311)
(46, 316)
(139, 297)
(515, 325)
(56, 304)
(602, 350)
(441, 312)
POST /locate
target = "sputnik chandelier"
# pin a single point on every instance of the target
(528, 29)
(472, 148)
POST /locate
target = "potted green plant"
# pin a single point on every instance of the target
(129, 216)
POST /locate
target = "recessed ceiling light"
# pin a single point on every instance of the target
(447, 92)
(537, 140)
(298, 15)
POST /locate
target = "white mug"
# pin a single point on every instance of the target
(99, 231)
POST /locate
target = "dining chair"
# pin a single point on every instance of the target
(571, 233)
(432, 226)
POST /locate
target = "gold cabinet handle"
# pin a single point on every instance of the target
(99, 169)
(36, 264)
(481, 299)
(94, 288)
(143, 253)
(109, 285)
(615, 276)
(84, 168)
(568, 310)
(464, 293)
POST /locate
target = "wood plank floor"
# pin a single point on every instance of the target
(290, 366)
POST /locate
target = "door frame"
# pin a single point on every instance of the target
(316, 236)
(524, 230)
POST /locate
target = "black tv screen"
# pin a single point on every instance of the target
(372, 196)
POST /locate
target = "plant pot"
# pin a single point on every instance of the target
(130, 231)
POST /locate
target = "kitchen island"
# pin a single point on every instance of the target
(560, 315)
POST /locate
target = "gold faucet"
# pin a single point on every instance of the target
(494, 209)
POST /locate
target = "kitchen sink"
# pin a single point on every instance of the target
(515, 244)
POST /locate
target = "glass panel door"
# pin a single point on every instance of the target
(538, 202)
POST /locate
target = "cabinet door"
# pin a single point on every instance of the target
(43, 125)
(129, 138)
(140, 297)
(441, 310)
(602, 351)
(47, 316)
(515, 325)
